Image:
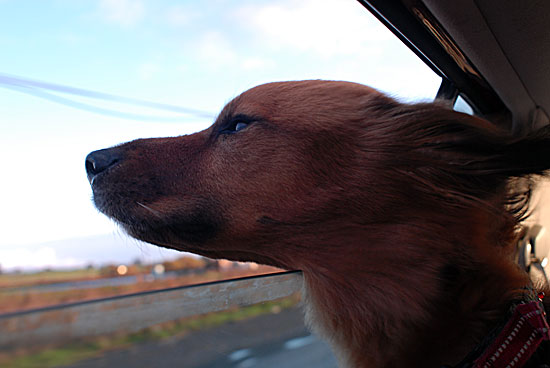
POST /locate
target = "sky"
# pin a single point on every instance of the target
(189, 54)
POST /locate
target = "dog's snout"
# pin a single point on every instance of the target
(101, 160)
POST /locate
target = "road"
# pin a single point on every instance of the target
(268, 341)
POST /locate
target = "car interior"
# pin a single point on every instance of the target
(493, 54)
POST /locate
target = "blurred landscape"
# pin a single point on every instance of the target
(27, 290)
(81, 252)
(281, 319)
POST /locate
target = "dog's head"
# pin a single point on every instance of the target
(291, 161)
(274, 157)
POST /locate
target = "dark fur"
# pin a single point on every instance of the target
(403, 218)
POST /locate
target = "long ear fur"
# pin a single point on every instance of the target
(479, 148)
(505, 156)
(462, 158)
(499, 159)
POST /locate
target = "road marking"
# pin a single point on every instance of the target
(239, 354)
(298, 342)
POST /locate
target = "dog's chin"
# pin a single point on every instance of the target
(195, 243)
(194, 226)
(184, 223)
(191, 233)
(151, 236)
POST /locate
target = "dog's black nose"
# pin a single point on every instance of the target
(101, 160)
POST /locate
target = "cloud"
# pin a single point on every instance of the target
(324, 27)
(122, 12)
(338, 40)
(82, 251)
(216, 50)
(255, 63)
(180, 15)
(33, 259)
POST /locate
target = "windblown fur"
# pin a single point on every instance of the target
(402, 217)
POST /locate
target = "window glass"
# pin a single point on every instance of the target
(463, 106)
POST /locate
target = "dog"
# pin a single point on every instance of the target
(403, 218)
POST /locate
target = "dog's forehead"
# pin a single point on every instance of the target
(264, 99)
(267, 99)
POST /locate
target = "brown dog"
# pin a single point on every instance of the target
(403, 218)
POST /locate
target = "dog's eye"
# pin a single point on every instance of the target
(240, 125)
(234, 127)
(236, 123)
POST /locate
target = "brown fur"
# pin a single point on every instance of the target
(403, 218)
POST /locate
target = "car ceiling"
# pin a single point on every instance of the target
(506, 43)
(509, 43)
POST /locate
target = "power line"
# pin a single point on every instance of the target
(40, 89)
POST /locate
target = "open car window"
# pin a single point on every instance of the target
(80, 76)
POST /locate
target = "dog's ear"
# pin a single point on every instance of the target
(484, 161)
(455, 154)
(526, 155)
(473, 146)
(501, 156)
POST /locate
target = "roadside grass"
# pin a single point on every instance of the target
(45, 277)
(73, 352)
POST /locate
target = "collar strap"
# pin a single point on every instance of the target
(519, 339)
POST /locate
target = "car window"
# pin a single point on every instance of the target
(85, 75)
(463, 106)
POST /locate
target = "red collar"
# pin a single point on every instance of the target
(519, 338)
(516, 342)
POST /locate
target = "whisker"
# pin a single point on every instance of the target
(154, 212)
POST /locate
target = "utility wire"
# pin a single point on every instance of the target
(39, 89)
